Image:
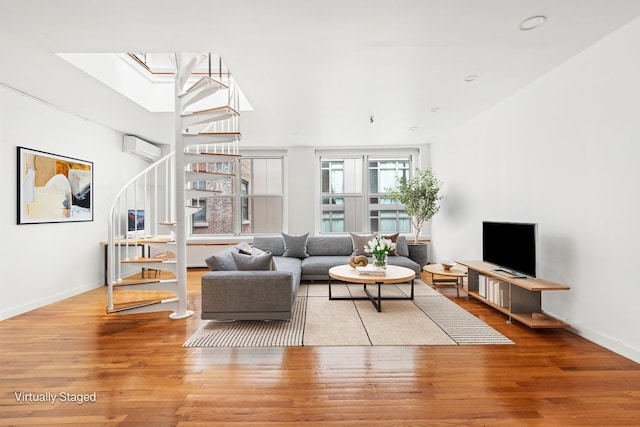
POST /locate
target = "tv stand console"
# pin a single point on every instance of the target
(517, 297)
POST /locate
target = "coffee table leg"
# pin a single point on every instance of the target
(329, 287)
(377, 302)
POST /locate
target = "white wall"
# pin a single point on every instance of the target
(43, 263)
(563, 153)
(302, 190)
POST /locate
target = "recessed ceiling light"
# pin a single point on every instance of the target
(471, 78)
(532, 22)
(435, 109)
(412, 128)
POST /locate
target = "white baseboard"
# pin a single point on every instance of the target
(15, 311)
(609, 343)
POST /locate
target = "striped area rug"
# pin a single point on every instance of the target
(430, 319)
(253, 333)
(463, 327)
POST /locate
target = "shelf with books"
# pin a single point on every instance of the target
(518, 298)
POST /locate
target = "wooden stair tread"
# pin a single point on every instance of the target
(211, 110)
(128, 282)
(204, 190)
(221, 174)
(143, 259)
(204, 81)
(201, 89)
(218, 154)
(130, 306)
(211, 138)
(216, 133)
(223, 111)
(207, 157)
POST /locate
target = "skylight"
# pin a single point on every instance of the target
(147, 79)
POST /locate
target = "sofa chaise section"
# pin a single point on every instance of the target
(229, 294)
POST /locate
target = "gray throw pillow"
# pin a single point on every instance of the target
(222, 261)
(359, 242)
(295, 246)
(402, 248)
(253, 262)
(257, 252)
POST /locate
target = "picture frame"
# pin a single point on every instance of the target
(53, 188)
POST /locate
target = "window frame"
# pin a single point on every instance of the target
(409, 155)
(237, 197)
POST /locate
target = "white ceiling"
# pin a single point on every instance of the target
(313, 70)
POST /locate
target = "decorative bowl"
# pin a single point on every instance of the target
(447, 264)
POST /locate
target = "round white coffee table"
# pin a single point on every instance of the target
(393, 274)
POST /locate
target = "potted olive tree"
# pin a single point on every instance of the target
(420, 195)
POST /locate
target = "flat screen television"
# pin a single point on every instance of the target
(135, 220)
(510, 246)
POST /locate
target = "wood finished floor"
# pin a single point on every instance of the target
(141, 375)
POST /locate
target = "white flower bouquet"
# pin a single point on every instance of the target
(379, 248)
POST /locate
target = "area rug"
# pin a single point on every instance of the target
(430, 319)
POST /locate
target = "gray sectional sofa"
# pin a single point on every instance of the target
(264, 285)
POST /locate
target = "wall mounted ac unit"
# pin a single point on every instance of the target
(140, 148)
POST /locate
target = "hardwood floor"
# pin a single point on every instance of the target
(138, 374)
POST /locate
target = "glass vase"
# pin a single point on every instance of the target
(380, 261)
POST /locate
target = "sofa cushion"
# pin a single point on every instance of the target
(253, 262)
(295, 246)
(359, 242)
(405, 262)
(222, 261)
(291, 265)
(402, 247)
(329, 245)
(257, 252)
(273, 244)
(320, 265)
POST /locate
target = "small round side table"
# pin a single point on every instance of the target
(457, 272)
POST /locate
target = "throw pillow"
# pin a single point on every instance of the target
(394, 238)
(257, 251)
(222, 261)
(402, 248)
(295, 246)
(253, 263)
(359, 242)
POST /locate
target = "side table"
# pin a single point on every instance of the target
(457, 273)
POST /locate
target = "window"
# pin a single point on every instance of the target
(342, 198)
(244, 200)
(249, 204)
(355, 201)
(386, 215)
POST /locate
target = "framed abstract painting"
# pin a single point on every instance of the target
(53, 188)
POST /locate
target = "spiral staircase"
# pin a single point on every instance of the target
(206, 141)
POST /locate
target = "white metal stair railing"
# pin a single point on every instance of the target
(202, 136)
(144, 193)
